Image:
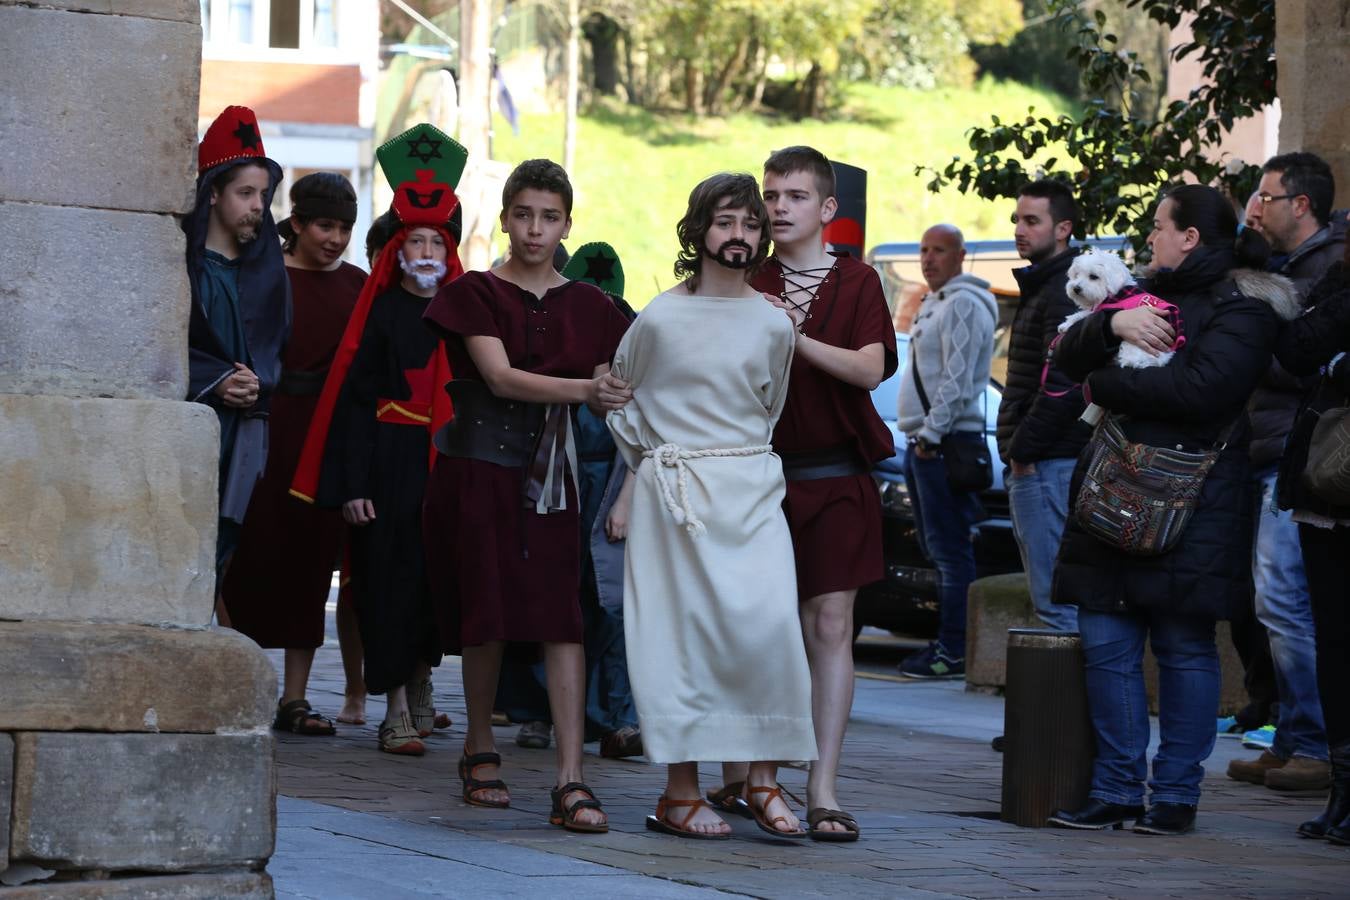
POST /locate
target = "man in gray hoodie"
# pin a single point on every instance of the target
(942, 396)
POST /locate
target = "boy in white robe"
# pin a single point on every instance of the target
(715, 651)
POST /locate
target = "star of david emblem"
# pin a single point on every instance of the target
(599, 268)
(424, 148)
(247, 135)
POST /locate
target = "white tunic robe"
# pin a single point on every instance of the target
(715, 653)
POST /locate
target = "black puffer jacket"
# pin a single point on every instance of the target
(1032, 425)
(1187, 403)
(1305, 345)
(1277, 399)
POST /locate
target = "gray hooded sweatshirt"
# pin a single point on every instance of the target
(951, 343)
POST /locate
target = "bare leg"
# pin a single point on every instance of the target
(349, 640)
(827, 627)
(682, 784)
(565, 672)
(482, 665)
(765, 774)
(299, 660)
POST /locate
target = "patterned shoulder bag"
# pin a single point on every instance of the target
(1138, 498)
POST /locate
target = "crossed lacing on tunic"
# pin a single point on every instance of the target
(672, 456)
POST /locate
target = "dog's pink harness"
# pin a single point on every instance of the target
(1129, 297)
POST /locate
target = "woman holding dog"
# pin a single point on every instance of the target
(1171, 578)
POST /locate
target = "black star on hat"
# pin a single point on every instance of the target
(600, 268)
(248, 135)
(424, 148)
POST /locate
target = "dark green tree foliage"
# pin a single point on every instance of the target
(1119, 153)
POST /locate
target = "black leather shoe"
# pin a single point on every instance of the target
(1167, 818)
(1096, 816)
(1336, 817)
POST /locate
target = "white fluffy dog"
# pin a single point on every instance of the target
(1100, 279)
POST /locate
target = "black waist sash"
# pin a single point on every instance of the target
(834, 462)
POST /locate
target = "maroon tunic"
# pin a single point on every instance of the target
(835, 522)
(279, 580)
(500, 571)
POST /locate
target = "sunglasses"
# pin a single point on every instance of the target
(1271, 198)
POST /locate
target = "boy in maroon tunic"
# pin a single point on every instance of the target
(277, 586)
(829, 437)
(501, 513)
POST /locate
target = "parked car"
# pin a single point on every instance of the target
(906, 600)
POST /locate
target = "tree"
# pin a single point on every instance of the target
(1119, 154)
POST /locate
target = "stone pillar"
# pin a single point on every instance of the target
(135, 757)
(1312, 48)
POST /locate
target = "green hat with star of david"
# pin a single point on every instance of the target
(422, 147)
(596, 263)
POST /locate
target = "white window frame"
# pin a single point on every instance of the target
(347, 51)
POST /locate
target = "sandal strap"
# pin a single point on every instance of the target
(473, 760)
(572, 787)
(665, 802)
(820, 814)
(726, 792)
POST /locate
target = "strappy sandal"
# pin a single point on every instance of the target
(296, 717)
(761, 816)
(566, 816)
(424, 716)
(661, 821)
(471, 785)
(728, 799)
(399, 737)
(820, 815)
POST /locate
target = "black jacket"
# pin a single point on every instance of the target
(1187, 403)
(1032, 425)
(1276, 401)
(1304, 346)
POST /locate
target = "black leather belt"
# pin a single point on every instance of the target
(488, 428)
(295, 383)
(812, 465)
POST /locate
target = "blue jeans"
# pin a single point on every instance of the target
(1284, 606)
(1188, 696)
(945, 521)
(1040, 505)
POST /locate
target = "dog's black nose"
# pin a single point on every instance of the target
(1078, 289)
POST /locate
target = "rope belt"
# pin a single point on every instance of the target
(671, 456)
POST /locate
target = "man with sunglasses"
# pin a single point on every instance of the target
(1292, 208)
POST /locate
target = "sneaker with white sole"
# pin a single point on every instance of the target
(1262, 738)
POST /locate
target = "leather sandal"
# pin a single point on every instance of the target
(566, 816)
(727, 799)
(761, 816)
(471, 785)
(662, 822)
(297, 718)
(820, 815)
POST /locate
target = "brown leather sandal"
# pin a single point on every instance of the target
(820, 815)
(662, 822)
(566, 816)
(727, 799)
(760, 815)
(471, 785)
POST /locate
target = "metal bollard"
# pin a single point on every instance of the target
(1048, 744)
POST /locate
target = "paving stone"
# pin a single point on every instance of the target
(131, 678)
(161, 802)
(222, 885)
(107, 510)
(110, 320)
(119, 129)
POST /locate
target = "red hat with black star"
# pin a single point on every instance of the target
(233, 135)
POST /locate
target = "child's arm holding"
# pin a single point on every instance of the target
(601, 392)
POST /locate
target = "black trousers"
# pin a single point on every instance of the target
(1326, 559)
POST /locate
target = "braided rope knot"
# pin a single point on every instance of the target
(672, 456)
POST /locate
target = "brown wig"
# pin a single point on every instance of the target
(803, 159)
(542, 175)
(722, 191)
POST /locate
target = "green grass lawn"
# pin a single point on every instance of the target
(634, 168)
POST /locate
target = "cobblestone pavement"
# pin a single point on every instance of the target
(918, 773)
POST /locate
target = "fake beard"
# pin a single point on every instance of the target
(723, 254)
(246, 229)
(426, 272)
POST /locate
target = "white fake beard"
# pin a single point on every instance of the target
(426, 272)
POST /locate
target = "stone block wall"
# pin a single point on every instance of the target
(1312, 44)
(135, 754)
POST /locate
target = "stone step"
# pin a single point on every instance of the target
(65, 676)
